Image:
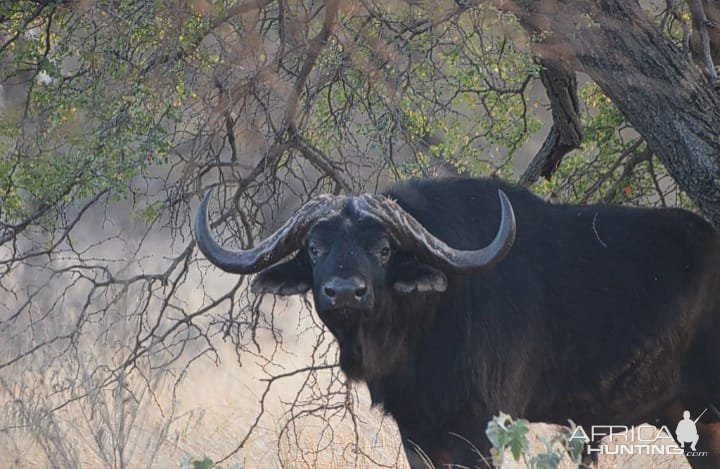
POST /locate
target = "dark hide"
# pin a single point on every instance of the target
(602, 315)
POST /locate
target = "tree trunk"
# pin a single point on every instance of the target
(661, 92)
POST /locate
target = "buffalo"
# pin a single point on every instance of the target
(455, 299)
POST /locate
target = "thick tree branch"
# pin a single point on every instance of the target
(702, 45)
(566, 132)
(647, 77)
(655, 85)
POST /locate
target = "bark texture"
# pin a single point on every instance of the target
(658, 88)
(565, 134)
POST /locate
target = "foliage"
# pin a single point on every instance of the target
(93, 115)
(613, 164)
(116, 115)
(505, 433)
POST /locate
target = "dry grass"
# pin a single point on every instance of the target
(161, 421)
(207, 414)
(213, 408)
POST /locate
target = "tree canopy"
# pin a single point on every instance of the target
(116, 116)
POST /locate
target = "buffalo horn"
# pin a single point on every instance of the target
(287, 239)
(414, 237)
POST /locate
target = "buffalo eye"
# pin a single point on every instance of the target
(314, 251)
(384, 253)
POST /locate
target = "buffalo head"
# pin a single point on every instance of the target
(360, 256)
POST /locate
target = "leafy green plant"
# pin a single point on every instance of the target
(505, 433)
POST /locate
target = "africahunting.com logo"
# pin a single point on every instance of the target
(643, 439)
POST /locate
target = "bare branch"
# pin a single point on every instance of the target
(314, 48)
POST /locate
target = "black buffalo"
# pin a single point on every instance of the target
(450, 313)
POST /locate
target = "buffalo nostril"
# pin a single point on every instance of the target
(360, 292)
(330, 292)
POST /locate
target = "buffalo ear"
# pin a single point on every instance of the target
(291, 277)
(415, 276)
